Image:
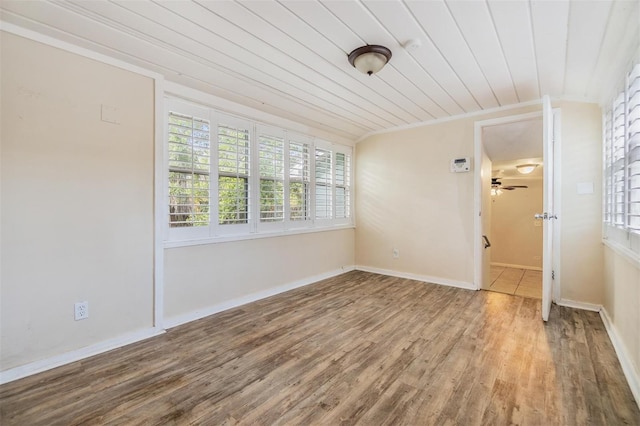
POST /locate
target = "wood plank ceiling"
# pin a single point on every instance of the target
(289, 57)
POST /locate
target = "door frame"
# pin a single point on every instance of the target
(478, 147)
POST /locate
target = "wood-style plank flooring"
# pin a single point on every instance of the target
(360, 348)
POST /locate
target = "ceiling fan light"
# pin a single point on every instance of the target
(525, 169)
(369, 59)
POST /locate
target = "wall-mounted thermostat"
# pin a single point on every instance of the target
(460, 165)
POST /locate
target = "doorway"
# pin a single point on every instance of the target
(505, 156)
(515, 150)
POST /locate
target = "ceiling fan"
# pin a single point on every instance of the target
(496, 185)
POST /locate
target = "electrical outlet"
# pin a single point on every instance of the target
(81, 310)
(396, 253)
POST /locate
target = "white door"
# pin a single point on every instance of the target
(548, 215)
(485, 176)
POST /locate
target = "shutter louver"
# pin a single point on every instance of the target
(633, 150)
(618, 161)
(323, 188)
(299, 181)
(343, 179)
(271, 153)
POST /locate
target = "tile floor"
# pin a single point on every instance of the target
(521, 282)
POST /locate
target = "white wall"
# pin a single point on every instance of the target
(199, 279)
(77, 201)
(515, 240)
(78, 218)
(407, 198)
(622, 308)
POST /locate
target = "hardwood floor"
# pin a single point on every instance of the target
(359, 348)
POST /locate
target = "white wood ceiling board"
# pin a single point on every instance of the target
(352, 87)
(550, 20)
(343, 39)
(157, 22)
(270, 40)
(513, 24)
(475, 22)
(437, 22)
(397, 20)
(316, 72)
(202, 43)
(622, 35)
(369, 29)
(340, 35)
(71, 27)
(587, 24)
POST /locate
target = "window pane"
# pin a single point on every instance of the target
(323, 184)
(271, 152)
(233, 175)
(189, 166)
(343, 178)
(232, 195)
(299, 178)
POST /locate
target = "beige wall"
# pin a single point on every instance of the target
(581, 263)
(515, 240)
(203, 276)
(406, 198)
(622, 303)
(77, 201)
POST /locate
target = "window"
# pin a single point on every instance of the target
(621, 168)
(268, 179)
(271, 153)
(234, 158)
(189, 169)
(299, 182)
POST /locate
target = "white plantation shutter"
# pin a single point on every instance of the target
(343, 185)
(189, 170)
(299, 180)
(234, 164)
(607, 178)
(621, 169)
(271, 165)
(323, 187)
(633, 150)
(254, 178)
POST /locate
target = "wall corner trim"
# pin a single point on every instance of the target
(425, 278)
(233, 303)
(631, 374)
(76, 355)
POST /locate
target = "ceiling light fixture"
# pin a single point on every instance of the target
(525, 169)
(369, 59)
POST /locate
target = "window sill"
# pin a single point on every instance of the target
(231, 238)
(624, 252)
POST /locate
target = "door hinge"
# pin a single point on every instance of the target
(553, 275)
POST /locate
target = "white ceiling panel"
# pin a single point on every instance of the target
(586, 29)
(438, 24)
(289, 57)
(550, 27)
(476, 24)
(513, 25)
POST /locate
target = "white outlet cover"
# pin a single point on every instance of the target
(81, 310)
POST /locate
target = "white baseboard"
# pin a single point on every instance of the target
(229, 304)
(632, 375)
(76, 355)
(425, 278)
(509, 265)
(579, 305)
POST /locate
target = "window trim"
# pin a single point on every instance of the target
(254, 229)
